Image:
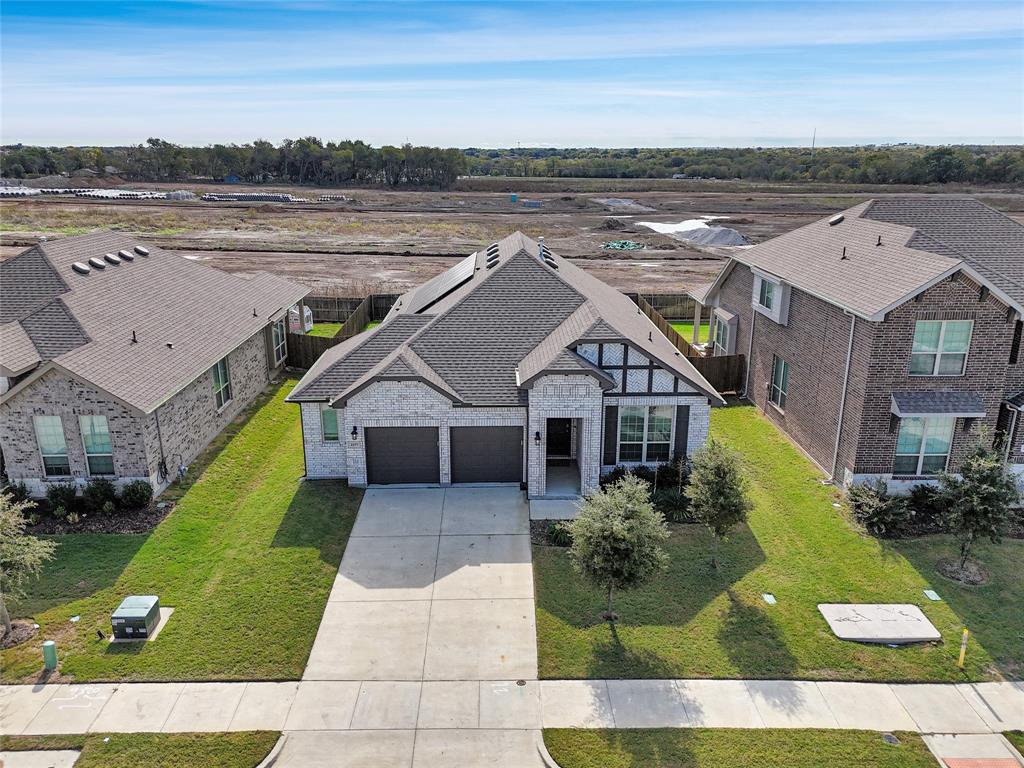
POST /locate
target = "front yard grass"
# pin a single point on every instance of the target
(695, 621)
(246, 559)
(244, 749)
(725, 748)
(1017, 739)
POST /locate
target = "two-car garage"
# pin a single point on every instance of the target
(412, 455)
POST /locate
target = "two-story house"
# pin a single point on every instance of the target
(883, 340)
(122, 360)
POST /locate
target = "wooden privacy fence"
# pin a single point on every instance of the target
(353, 314)
(724, 373)
(663, 325)
(675, 306)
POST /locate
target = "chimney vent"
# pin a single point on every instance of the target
(844, 257)
(134, 339)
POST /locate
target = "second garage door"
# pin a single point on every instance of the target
(487, 454)
(402, 455)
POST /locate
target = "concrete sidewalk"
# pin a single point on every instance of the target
(376, 705)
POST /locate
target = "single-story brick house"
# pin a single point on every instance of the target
(122, 360)
(514, 366)
(883, 340)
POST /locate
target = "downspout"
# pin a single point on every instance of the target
(1010, 434)
(842, 400)
(750, 350)
(161, 470)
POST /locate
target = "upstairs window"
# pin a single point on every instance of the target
(280, 342)
(96, 439)
(721, 336)
(922, 447)
(780, 382)
(53, 448)
(221, 383)
(329, 423)
(766, 296)
(940, 347)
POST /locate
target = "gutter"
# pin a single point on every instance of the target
(750, 349)
(842, 400)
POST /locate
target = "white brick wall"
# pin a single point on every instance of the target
(325, 459)
(700, 415)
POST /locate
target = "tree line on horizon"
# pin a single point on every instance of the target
(310, 160)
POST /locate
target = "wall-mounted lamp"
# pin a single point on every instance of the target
(355, 432)
(536, 438)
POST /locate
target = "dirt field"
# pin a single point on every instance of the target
(388, 241)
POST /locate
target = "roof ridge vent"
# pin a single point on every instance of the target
(81, 268)
(97, 262)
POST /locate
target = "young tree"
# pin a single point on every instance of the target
(21, 555)
(718, 491)
(617, 537)
(978, 501)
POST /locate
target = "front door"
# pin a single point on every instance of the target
(559, 442)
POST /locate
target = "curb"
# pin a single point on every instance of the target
(274, 753)
(542, 750)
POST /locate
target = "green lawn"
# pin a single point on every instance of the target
(325, 329)
(695, 621)
(686, 330)
(371, 324)
(246, 559)
(727, 748)
(244, 749)
(1017, 739)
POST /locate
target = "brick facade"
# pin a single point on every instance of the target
(566, 397)
(815, 342)
(187, 422)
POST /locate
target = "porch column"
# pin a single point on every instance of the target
(698, 309)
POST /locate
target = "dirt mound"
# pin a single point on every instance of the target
(20, 632)
(613, 224)
(715, 236)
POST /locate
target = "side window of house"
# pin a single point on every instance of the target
(329, 422)
(940, 347)
(721, 336)
(53, 448)
(221, 383)
(780, 382)
(96, 440)
(645, 433)
(280, 342)
(766, 295)
(922, 447)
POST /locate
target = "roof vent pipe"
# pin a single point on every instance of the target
(134, 339)
(879, 241)
(844, 256)
(254, 312)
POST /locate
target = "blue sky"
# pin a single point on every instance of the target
(497, 74)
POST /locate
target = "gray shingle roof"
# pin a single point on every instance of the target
(27, 282)
(166, 299)
(17, 352)
(520, 313)
(988, 240)
(938, 403)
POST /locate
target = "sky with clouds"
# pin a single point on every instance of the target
(616, 74)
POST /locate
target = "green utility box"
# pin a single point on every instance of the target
(136, 618)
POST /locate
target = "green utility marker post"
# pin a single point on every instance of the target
(50, 655)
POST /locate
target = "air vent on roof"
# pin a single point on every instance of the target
(492, 263)
(550, 262)
(837, 219)
(492, 250)
(80, 268)
(142, 250)
(122, 254)
(126, 255)
(98, 262)
(111, 258)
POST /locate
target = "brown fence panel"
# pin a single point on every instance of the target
(304, 350)
(663, 325)
(356, 321)
(724, 373)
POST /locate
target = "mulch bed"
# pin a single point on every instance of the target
(21, 631)
(140, 521)
(973, 574)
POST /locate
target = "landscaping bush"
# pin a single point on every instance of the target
(558, 534)
(668, 483)
(18, 492)
(674, 505)
(880, 513)
(97, 494)
(61, 496)
(136, 494)
(927, 510)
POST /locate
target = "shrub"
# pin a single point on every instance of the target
(558, 534)
(136, 494)
(674, 505)
(18, 492)
(72, 517)
(879, 513)
(927, 510)
(98, 493)
(718, 491)
(61, 496)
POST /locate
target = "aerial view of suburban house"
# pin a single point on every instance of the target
(883, 339)
(123, 361)
(514, 366)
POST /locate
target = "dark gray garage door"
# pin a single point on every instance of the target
(402, 455)
(487, 454)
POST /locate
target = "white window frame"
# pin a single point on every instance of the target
(280, 346)
(85, 446)
(39, 444)
(766, 294)
(720, 324)
(938, 354)
(921, 452)
(776, 293)
(324, 408)
(225, 387)
(644, 444)
(778, 394)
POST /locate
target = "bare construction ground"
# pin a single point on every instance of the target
(388, 241)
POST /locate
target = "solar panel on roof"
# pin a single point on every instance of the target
(445, 283)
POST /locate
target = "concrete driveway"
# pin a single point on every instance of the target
(426, 654)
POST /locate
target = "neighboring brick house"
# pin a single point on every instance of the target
(123, 361)
(883, 340)
(514, 366)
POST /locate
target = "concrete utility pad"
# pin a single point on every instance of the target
(165, 615)
(20, 703)
(939, 708)
(477, 749)
(347, 749)
(400, 512)
(477, 511)
(481, 640)
(71, 709)
(879, 622)
(576, 704)
(263, 707)
(372, 641)
(484, 567)
(49, 758)
(386, 568)
(719, 704)
(138, 708)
